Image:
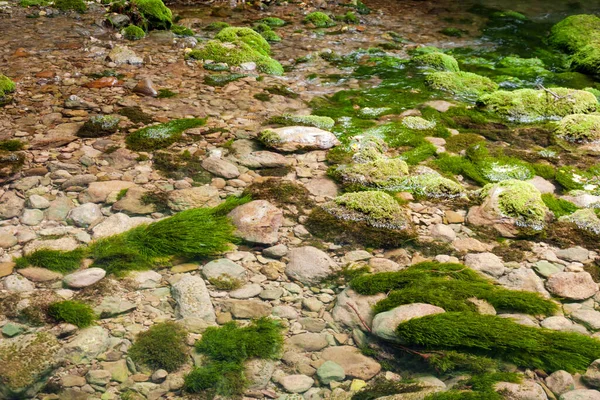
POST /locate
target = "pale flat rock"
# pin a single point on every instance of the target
(118, 223)
(295, 138)
(36, 274)
(84, 278)
(385, 323)
(220, 167)
(193, 300)
(572, 285)
(309, 265)
(97, 192)
(257, 222)
(527, 390)
(354, 363)
(64, 244)
(87, 345)
(349, 303)
(195, 197)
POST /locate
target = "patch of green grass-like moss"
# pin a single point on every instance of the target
(72, 312)
(54, 260)
(161, 347)
(161, 136)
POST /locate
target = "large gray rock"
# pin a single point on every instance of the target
(295, 138)
(97, 192)
(572, 285)
(248, 309)
(560, 323)
(488, 263)
(224, 269)
(85, 214)
(527, 390)
(84, 278)
(296, 383)
(560, 382)
(195, 197)
(589, 318)
(87, 345)
(117, 223)
(309, 265)
(592, 375)
(220, 167)
(193, 300)
(523, 279)
(257, 222)
(354, 363)
(352, 308)
(385, 323)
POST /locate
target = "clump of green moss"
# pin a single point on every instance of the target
(222, 79)
(179, 166)
(99, 126)
(11, 145)
(437, 61)
(227, 348)
(559, 207)
(478, 387)
(67, 5)
(382, 387)
(325, 123)
(34, 3)
(161, 347)
(427, 183)
(160, 136)
(529, 105)
(181, 30)
(575, 32)
(571, 178)
(155, 13)
(585, 220)
(462, 84)
(136, 115)
(6, 85)
(463, 141)
(501, 338)
(11, 162)
(165, 94)
(273, 22)
(319, 20)
(270, 36)
(133, 32)
(579, 128)
(54, 260)
(452, 32)
(245, 35)
(348, 18)
(449, 286)
(281, 192)
(72, 312)
(216, 26)
(380, 173)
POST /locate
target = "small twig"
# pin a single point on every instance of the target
(359, 317)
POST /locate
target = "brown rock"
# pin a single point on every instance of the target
(105, 81)
(36, 274)
(6, 268)
(257, 222)
(355, 364)
(145, 88)
(572, 285)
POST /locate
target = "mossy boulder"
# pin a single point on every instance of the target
(584, 219)
(155, 12)
(26, 362)
(133, 32)
(6, 86)
(181, 30)
(325, 123)
(512, 207)
(319, 20)
(162, 135)
(298, 138)
(579, 128)
(372, 218)
(99, 126)
(522, 67)
(498, 170)
(437, 61)
(575, 180)
(273, 22)
(418, 123)
(68, 5)
(380, 173)
(575, 32)
(425, 182)
(462, 84)
(528, 105)
(245, 35)
(236, 53)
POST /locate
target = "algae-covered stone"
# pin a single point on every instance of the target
(319, 19)
(579, 128)
(133, 32)
(575, 32)
(501, 170)
(317, 121)
(418, 123)
(99, 126)
(527, 105)
(295, 138)
(438, 61)
(245, 35)
(26, 362)
(584, 219)
(462, 84)
(510, 206)
(381, 173)
(6, 85)
(157, 15)
(425, 182)
(160, 136)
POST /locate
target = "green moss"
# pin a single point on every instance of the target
(528, 105)
(136, 115)
(67, 5)
(558, 206)
(281, 192)
(585, 220)
(34, 3)
(236, 53)
(437, 61)
(348, 18)
(325, 123)
(54, 260)
(449, 286)
(501, 338)
(181, 30)
(160, 136)
(477, 387)
(72, 312)
(462, 141)
(273, 22)
(579, 128)
(99, 126)
(222, 79)
(133, 32)
(429, 184)
(522, 67)
(225, 282)
(462, 84)
(6, 85)
(587, 59)
(122, 193)
(227, 348)
(453, 32)
(378, 207)
(270, 36)
(165, 94)
(502, 169)
(575, 32)
(216, 26)
(161, 347)
(11, 145)
(382, 387)
(179, 166)
(571, 178)
(245, 35)
(381, 173)
(544, 170)
(282, 90)
(156, 14)
(319, 20)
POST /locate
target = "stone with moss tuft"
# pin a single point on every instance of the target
(380, 173)
(298, 138)
(133, 32)
(528, 105)
(273, 22)
(156, 13)
(245, 35)
(181, 30)
(418, 123)
(99, 126)
(438, 61)
(575, 32)
(425, 182)
(579, 128)
(6, 85)
(319, 19)
(317, 121)
(270, 36)
(462, 84)
(584, 219)
(160, 136)
(68, 5)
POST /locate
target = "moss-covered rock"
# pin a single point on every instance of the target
(133, 32)
(495, 170)
(245, 35)
(575, 32)
(236, 53)
(418, 123)
(160, 136)
(522, 67)
(574, 179)
(512, 207)
(6, 86)
(319, 19)
(270, 36)
(11, 162)
(68, 5)
(462, 84)
(527, 105)
(579, 128)
(156, 14)
(587, 59)
(181, 30)
(273, 22)
(584, 219)
(371, 218)
(427, 183)
(325, 123)
(380, 173)
(437, 61)
(99, 125)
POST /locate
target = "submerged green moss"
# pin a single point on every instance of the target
(67, 5)
(575, 32)
(222, 79)
(133, 32)
(181, 30)
(245, 35)
(160, 347)
(528, 105)
(319, 19)
(380, 173)
(156, 14)
(99, 126)
(54, 260)
(559, 207)
(273, 22)
(6, 85)
(579, 128)
(72, 312)
(160, 136)
(438, 61)
(462, 84)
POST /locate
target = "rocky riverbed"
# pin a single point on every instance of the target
(391, 163)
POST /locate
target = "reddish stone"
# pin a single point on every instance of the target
(20, 52)
(45, 74)
(106, 81)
